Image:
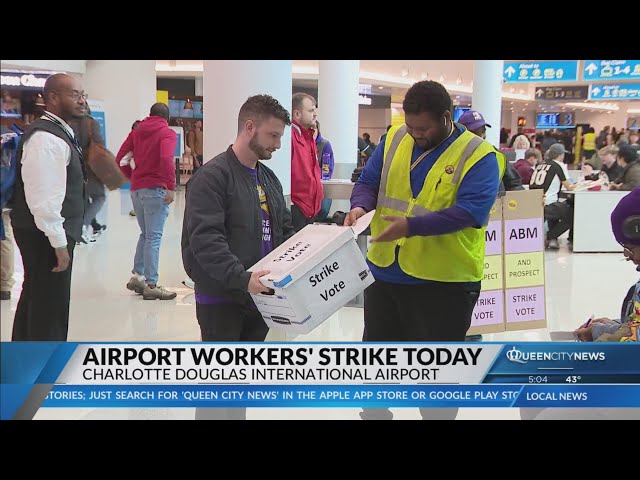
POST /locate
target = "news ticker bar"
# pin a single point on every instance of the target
(345, 396)
(583, 378)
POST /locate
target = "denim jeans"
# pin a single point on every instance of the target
(151, 213)
(96, 198)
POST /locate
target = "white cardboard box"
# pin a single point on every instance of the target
(313, 274)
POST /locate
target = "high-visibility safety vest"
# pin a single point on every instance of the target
(455, 257)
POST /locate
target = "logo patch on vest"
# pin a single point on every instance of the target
(449, 169)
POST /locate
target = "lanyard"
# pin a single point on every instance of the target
(74, 142)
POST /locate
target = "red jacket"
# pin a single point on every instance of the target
(524, 169)
(153, 144)
(306, 185)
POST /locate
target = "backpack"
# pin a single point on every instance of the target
(320, 147)
(8, 167)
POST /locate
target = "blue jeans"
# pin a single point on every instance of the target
(151, 213)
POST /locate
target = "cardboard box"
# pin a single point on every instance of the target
(523, 214)
(313, 274)
(488, 314)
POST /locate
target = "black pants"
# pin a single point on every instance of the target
(298, 219)
(559, 217)
(229, 323)
(197, 162)
(429, 312)
(43, 309)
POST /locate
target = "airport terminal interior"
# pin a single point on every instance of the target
(580, 280)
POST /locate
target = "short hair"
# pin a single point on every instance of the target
(260, 107)
(608, 150)
(298, 98)
(160, 110)
(628, 153)
(427, 96)
(533, 152)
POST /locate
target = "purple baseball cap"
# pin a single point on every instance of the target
(628, 206)
(472, 119)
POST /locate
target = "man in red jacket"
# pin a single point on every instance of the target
(153, 183)
(306, 184)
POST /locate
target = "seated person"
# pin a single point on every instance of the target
(630, 176)
(551, 176)
(625, 223)
(525, 165)
(609, 165)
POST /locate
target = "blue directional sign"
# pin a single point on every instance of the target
(610, 69)
(559, 71)
(620, 91)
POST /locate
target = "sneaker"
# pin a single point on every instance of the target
(97, 228)
(5, 295)
(136, 285)
(132, 213)
(157, 293)
(87, 234)
(553, 244)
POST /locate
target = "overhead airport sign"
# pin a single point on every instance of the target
(575, 92)
(619, 91)
(610, 69)
(557, 71)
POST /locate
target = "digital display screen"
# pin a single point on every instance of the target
(458, 111)
(175, 106)
(555, 120)
(197, 109)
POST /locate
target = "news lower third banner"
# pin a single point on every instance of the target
(134, 375)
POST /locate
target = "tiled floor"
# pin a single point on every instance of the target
(102, 309)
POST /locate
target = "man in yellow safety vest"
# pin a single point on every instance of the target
(433, 184)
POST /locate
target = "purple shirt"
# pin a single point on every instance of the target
(267, 241)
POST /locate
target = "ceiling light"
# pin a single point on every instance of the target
(596, 106)
(380, 87)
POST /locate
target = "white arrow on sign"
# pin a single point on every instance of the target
(510, 71)
(595, 91)
(592, 67)
(539, 92)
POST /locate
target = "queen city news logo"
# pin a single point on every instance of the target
(518, 356)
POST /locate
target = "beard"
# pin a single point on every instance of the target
(261, 152)
(431, 142)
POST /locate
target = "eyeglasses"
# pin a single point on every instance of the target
(75, 95)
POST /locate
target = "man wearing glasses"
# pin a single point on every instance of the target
(48, 206)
